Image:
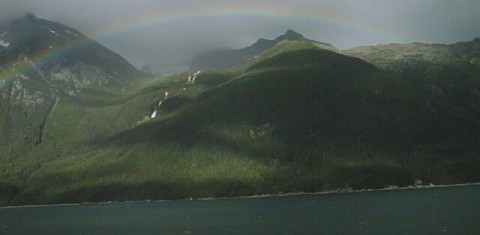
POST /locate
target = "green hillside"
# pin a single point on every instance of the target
(298, 118)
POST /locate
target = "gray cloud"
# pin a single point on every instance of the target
(344, 23)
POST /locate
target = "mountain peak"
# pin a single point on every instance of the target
(32, 17)
(229, 58)
(291, 35)
(53, 50)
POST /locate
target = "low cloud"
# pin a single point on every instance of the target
(345, 23)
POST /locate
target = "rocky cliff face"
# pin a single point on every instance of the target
(25, 105)
(42, 62)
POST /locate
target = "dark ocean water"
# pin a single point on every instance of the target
(444, 210)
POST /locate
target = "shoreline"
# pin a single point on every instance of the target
(273, 195)
(338, 191)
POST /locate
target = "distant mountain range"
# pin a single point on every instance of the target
(234, 57)
(78, 123)
(412, 56)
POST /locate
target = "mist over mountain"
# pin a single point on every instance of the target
(166, 34)
(414, 56)
(229, 58)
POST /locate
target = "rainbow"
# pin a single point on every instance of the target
(157, 20)
(313, 15)
(24, 65)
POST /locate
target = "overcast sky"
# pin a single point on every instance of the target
(170, 32)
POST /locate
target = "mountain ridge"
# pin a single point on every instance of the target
(298, 118)
(236, 57)
(403, 57)
(302, 119)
